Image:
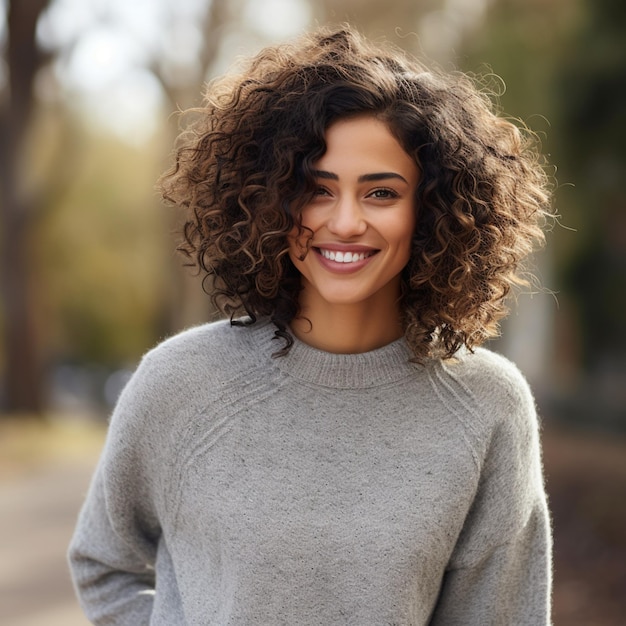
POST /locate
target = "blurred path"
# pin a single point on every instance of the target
(37, 513)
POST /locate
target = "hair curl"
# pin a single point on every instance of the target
(244, 170)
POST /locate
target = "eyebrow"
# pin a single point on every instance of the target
(365, 178)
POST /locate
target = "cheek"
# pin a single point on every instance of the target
(309, 220)
(402, 232)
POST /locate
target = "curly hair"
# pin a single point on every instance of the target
(244, 169)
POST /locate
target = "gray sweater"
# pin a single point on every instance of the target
(315, 488)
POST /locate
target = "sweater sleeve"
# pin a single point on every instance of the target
(500, 572)
(113, 550)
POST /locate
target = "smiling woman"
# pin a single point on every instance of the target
(246, 168)
(342, 451)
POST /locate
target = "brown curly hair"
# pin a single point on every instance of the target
(244, 170)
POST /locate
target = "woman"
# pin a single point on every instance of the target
(341, 451)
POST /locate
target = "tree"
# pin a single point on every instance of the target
(23, 370)
(23, 385)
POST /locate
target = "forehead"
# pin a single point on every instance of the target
(365, 144)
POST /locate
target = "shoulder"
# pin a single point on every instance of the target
(216, 345)
(490, 378)
(491, 397)
(185, 367)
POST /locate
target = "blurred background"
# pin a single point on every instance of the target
(89, 279)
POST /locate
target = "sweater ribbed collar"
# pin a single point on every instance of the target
(383, 366)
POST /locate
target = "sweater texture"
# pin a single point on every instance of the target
(315, 489)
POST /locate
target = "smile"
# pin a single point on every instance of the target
(345, 257)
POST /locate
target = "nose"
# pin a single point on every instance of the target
(346, 219)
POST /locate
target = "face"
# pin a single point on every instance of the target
(362, 217)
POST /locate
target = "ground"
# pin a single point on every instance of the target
(45, 469)
(586, 482)
(44, 472)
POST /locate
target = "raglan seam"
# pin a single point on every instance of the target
(445, 393)
(185, 455)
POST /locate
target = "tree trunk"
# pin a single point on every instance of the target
(22, 368)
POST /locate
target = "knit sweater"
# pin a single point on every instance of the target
(315, 489)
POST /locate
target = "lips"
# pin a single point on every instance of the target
(342, 259)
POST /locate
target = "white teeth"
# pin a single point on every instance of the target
(344, 257)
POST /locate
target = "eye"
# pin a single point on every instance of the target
(321, 191)
(384, 193)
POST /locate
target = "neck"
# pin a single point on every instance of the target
(349, 328)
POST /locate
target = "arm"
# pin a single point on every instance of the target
(113, 576)
(509, 586)
(113, 550)
(500, 571)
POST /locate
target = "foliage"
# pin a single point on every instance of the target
(103, 251)
(567, 61)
